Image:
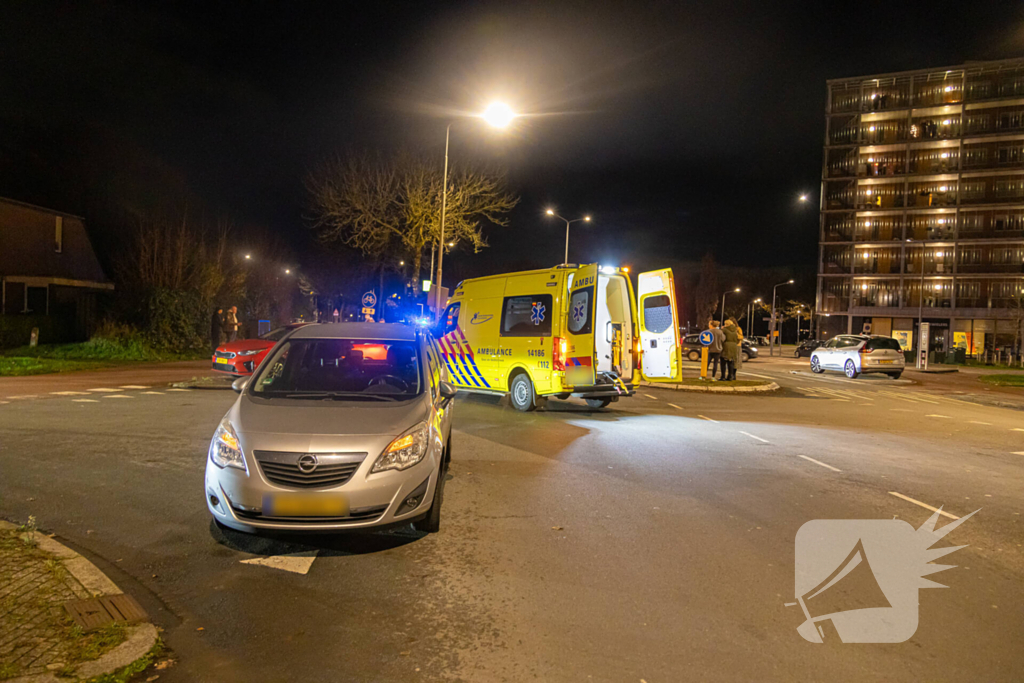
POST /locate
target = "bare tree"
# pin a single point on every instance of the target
(388, 206)
(705, 294)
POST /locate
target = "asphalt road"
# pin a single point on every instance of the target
(652, 541)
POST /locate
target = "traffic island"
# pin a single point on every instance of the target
(61, 618)
(741, 386)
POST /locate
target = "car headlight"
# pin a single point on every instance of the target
(225, 450)
(405, 451)
(253, 352)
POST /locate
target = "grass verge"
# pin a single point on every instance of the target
(90, 355)
(18, 366)
(1003, 380)
(126, 673)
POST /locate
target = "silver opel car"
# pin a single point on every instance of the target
(343, 426)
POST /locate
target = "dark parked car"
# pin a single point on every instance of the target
(806, 348)
(692, 346)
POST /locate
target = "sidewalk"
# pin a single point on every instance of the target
(138, 374)
(62, 617)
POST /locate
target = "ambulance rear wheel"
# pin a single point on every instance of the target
(521, 393)
(598, 403)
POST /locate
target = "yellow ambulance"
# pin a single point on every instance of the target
(566, 331)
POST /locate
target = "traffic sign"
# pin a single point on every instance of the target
(706, 338)
(368, 311)
(369, 299)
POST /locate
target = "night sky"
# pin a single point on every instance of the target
(681, 127)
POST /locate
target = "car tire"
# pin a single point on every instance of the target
(693, 355)
(431, 524)
(895, 375)
(850, 369)
(521, 395)
(746, 356)
(796, 354)
(598, 403)
(816, 366)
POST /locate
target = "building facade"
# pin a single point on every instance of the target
(922, 206)
(49, 275)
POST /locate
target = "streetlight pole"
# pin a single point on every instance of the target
(723, 303)
(771, 330)
(585, 219)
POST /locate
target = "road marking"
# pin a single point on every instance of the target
(975, 422)
(70, 393)
(1018, 452)
(755, 437)
(133, 386)
(118, 396)
(753, 374)
(85, 400)
(817, 462)
(104, 389)
(1017, 429)
(945, 417)
(177, 390)
(297, 563)
(3, 403)
(675, 406)
(924, 505)
(708, 419)
(153, 393)
(649, 396)
(24, 396)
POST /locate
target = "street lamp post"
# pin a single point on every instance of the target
(585, 219)
(723, 303)
(498, 115)
(771, 330)
(750, 315)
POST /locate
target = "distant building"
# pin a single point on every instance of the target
(49, 271)
(922, 204)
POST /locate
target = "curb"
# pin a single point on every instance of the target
(771, 386)
(141, 637)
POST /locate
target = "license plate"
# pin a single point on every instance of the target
(304, 505)
(223, 361)
(886, 362)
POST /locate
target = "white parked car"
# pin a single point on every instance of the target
(854, 354)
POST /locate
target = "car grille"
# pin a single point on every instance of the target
(224, 354)
(333, 469)
(354, 515)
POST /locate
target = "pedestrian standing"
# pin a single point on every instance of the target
(231, 322)
(715, 347)
(739, 351)
(730, 349)
(216, 326)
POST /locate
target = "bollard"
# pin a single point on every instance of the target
(33, 339)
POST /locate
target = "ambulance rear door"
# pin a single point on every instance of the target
(579, 326)
(660, 359)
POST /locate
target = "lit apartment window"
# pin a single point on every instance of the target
(58, 235)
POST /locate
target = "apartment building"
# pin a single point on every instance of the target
(922, 205)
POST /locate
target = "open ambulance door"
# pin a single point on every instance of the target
(660, 350)
(578, 358)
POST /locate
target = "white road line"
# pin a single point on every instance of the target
(85, 400)
(133, 386)
(1018, 452)
(153, 393)
(675, 406)
(297, 563)
(958, 401)
(3, 403)
(177, 390)
(118, 396)
(649, 396)
(104, 389)
(708, 419)
(755, 437)
(24, 396)
(752, 374)
(817, 462)
(975, 422)
(70, 393)
(945, 417)
(1017, 429)
(924, 505)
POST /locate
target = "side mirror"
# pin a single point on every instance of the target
(239, 384)
(448, 392)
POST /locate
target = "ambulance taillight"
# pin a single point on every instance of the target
(561, 347)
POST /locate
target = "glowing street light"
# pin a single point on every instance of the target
(585, 219)
(287, 271)
(771, 330)
(248, 257)
(803, 198)
(723, 303)
(498, 115)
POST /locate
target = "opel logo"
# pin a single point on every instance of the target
(307, 463)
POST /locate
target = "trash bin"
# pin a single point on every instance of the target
(960, 356)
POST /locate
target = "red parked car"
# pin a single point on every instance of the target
(241, 357)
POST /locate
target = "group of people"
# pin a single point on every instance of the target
(223, 326)
(724, 351)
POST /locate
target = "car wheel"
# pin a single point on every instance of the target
(598, 403)
(693, 355)
(521, 393)
(816, 365)
(895, 375)
(431, 524)
(746, 356)
(851, 369)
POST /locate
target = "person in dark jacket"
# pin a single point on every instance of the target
(216, 325)
(715, 349)
(730, 350)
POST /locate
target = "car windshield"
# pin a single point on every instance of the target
(275, 335)
(341, 369)
(883, 343)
